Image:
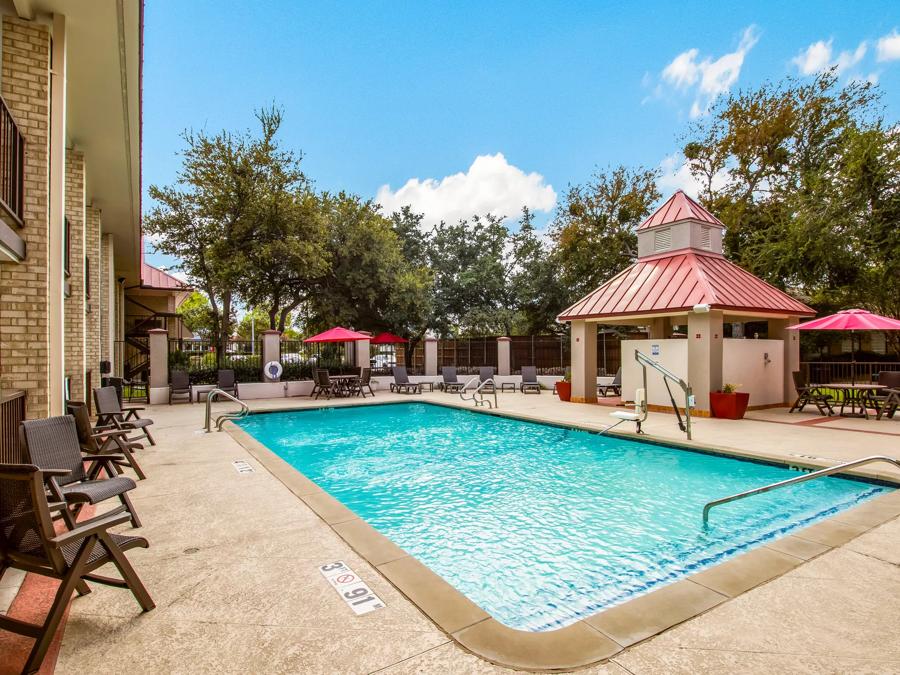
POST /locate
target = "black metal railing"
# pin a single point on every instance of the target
(299, 359)
(12, 413)
(845, 372)
(198, 357)
(12, 165)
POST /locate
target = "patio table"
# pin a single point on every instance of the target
(856, 395)
(343, 382)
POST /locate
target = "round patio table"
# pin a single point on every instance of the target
(856, 396)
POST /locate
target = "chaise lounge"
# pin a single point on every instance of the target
(451, 383)
(401, 382)
(529, 380)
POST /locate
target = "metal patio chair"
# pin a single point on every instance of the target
(104, 440)
(807, 393)
(180, 386)
(401, 382)
(28, 542)
(529, 380)
(52, 443)
(110, 414)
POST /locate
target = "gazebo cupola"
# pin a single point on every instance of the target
(681, 277)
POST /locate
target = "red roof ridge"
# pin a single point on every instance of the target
(677, 208)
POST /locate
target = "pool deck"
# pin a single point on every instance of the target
(233, 568)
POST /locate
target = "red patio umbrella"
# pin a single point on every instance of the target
(337, 334)
(852, 320)
(388, 339)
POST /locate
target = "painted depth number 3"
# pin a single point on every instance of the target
(358, 596)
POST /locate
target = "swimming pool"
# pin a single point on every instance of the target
(540, 525)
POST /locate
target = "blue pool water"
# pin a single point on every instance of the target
(540, 525)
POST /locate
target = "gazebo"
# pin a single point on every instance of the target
(681, 278)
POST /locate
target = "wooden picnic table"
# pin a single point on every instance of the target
(857, 396)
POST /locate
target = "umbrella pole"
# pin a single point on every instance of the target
(852, 358)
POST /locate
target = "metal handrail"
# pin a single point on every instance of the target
(645, 361)
(799, 479)
(221, 419)
(477, 392)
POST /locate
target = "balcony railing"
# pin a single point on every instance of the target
(12, 413)
(12, 165)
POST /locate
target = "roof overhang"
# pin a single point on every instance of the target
(639, 318)
(103, 110)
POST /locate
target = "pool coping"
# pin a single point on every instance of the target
(600, 636)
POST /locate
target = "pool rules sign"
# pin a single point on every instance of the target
(354, 591)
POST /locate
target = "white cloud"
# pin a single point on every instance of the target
(491, 185)
(675, 174)
(708, 78)
(889, 46)
(818, 57)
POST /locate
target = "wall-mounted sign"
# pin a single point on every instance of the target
(654, 350)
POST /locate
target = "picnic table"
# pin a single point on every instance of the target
(860, 396)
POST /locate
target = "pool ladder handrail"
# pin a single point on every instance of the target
(211, 395)
(480, 400)
(821, 473)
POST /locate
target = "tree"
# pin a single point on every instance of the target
(537, 294)
(196, 315)
(806, 177)
(593, 230)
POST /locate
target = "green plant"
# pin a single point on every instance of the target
(567, 377)
(730, 388)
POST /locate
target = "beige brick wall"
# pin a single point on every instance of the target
(75, 302)
(92, 351)
(24, 333)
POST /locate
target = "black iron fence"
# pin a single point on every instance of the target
(845, 372)
(299, 359)
(198, 357)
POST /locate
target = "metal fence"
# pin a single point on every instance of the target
(198, 358)
(845, 372)
(299, 359)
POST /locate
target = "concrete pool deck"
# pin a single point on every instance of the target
(233, 568)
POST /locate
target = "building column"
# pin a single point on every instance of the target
(705, 343)
(363, 352)
(431, 354)
(158, 339)
(660, 328)
(778, 330)
(584, 362)
(92, 316)
(504, 345)
(107, 299)
(75, 302)
(271, 351)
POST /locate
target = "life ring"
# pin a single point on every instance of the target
(273, 370)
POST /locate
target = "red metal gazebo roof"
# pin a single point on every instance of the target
(153, 277)
(677, 208)
(669, 283)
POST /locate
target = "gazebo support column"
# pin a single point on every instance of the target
(584, 362)
(660, 328)
(705, 355)
(791, 339)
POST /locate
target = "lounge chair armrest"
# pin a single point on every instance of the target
(103, 457)
(110, 431)
(84, 531)
(50, 473)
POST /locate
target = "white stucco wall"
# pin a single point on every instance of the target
(672, 355)
(744, 363)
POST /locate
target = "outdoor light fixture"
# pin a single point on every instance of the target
(701, 309)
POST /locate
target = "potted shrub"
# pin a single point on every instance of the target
(729, 403)
(564, 388)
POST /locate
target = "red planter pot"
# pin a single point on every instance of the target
(564, 389)
(729, 406)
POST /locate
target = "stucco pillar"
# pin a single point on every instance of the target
(271, 350)
(778, 330)
(705, 343)
(584, 362)
(363, 352)
(158, 339)
(503, 356)
(431, 356)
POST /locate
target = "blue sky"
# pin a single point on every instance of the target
(511, 101)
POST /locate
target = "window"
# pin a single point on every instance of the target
(662, 240)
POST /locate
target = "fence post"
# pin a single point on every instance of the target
(431, 356)
(503, 348)
(271, 350)
(363, 351)
(158, 341)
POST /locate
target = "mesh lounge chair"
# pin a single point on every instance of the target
(615, 386)
(450, 383)
(109, 414)
(28, 542)
(529, 380)
(323, 385)
(52, 443)
(888, 400)
(180, 386)
(486, 373)
(104, 440)
(401, 382)
(807, 394)
(227, 382)
(364, 383)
